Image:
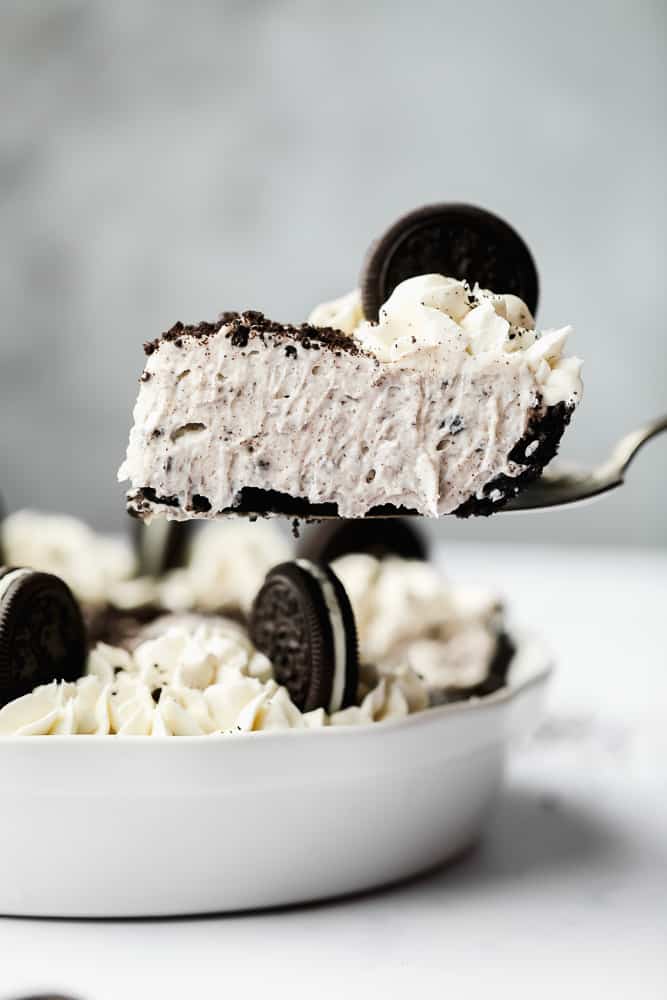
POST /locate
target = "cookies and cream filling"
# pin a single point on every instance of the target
(425, 409)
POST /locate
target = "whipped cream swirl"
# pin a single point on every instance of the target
(89, 563)
(206, 682)
(409, 618)
(226, 564)
(432, 319)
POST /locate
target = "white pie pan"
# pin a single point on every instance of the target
(140, 826)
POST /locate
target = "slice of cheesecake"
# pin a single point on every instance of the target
(447, 405)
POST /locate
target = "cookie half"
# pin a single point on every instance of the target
(42, 633)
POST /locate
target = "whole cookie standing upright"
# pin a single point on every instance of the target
(455, 240)
(42, 634)
(302, 620)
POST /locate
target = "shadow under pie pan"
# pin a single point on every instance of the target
(141, 826)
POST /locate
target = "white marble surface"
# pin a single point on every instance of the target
(567, 895)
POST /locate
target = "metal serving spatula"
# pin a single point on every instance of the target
(569, 485)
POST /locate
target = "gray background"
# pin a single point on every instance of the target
(164, 161)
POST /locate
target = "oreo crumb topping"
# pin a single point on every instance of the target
(240, 328)
(228, 316)
(239, 335)
(201, 504)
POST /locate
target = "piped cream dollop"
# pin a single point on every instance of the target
(409, 618)
(433, 320)
(202, 682)
(226, 563)
(90, 564)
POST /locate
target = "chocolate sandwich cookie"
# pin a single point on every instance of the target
(302, 620)
(160, 545)
(42, 634)
(457, 240)
(391, 536)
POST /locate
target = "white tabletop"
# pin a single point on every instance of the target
(568, 891)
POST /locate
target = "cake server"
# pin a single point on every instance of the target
(565, 485)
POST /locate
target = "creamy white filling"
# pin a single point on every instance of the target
(424, 416)
(338, 629)
(10, 578)
(347, 429)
